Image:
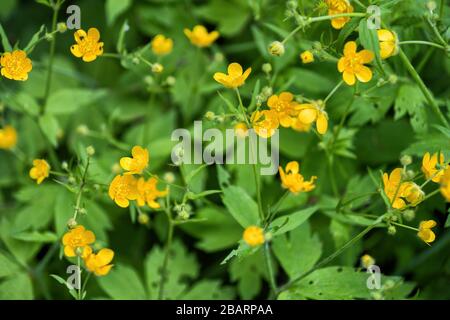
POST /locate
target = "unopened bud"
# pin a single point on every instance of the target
(171, 80)
(267, 68)
(409, 215)
(143, 218)
(209, 115)
(157, 68)
(169, 177)
(71, 223)
(61, 27)
(276, 48)
(65, 165)
(431, 5)
(90, 151)
(406, 160)
(83, 129)
(392, 230)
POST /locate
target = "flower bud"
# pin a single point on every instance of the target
(184, 215)
(83, 130)
(143, 219)
(393, 78)
(90, 151)
(392, 230)
(61, 27)
(71, 223)
(65, 165)
(406, 160)
(389, 284)
(291, 5)
(267, 68)
(276, 48)
(218, 57)
(409, 215)
(49, 37)
(157, 68)
(266, 92)
(169, 177)
(209, 115)
(149, 80)
(171, 80)
(431, 5)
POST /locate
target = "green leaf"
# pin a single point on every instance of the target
(30, 46)
(209, 290)
(5, 42)
(67, 101)
(114, 8)
(298, 251)
(35, 236)
(241, 206)
(195, 196)
(7, 266)
(123, 283)
(290, 222)
(410, 100)
(17, 287)
(369, 40)
(121, 41)
(50, 126)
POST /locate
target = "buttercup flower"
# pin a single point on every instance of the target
(425, 233)
(200, 37)
(88, 45)
(99, 263)
(15, 65)
(137, 163)
(388, 43)
(313, 112)
(293, 180)
(285, 107)
(445, 184)
(307, 57)
(8, 137)
(123, 189)
(399, 193)
(265, 122)
(339, 7)
(352, 64)
(429, 166)
(235, 77)
(148, 193)
(253, 236)
(76, 238)
(40, 170)
(161, 45)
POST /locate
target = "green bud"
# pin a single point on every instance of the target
(406, 160)
(276, 48)
(267, 68)
(392, 230)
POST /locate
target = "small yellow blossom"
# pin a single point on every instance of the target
(161, 45)
(445, 184)
(200, 37)
(8, 137)
(425, 233)
(241, 129)
(137, 163)
(300, 126)
(88, 45)
(307, 57)
(99, 263)
(401, 194)
(265, 123)
(16, 65)
(148, 193)
(123, 189)
(253, 236)
(429, 169)
(314, 112)
(293, 180)
(388, 43)
(285, 107)
(339, 7)
(76, 238)
(40, 170)
(235, 77)
(367, 261)
(352, 64)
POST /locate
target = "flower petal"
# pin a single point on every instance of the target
(235, 69)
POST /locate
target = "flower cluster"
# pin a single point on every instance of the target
(78, 241)
(126, 187)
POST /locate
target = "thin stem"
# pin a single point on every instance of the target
(268, 260)
(112, 55)
(165, 264)
(333, 91)
(52, 56)
(404, 226)
(423, 88)
(436, 32)
(79, 276)
(83, 287)
(276, 207)
(80, 190)
(428, 43)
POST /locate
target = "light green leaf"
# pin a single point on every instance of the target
(5, 42)
(114, 8)
(50, 126)
(289, 222)
(67, 101)
(35, 236)
(241, 206)
(123, 283)
(17, 287)
(7, 266)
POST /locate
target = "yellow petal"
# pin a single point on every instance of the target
(385, 35)
(322, 123)
(102, 271)
(341, 64)
(307, 115)
(69, 252)
(235, 69)
(126, 163)
(350, 48)
(364, 74)
(366, 56)
(286, 96)
(428, 224)
(80, 35)
(349, 78)
(292, 167)
(105, 256)
(94, 34)
(89, 237)
(246, 73)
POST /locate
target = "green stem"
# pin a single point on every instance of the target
(79, 276)
(52, 56)
(268, 259)
(165, 264)
(436, 32)
(423, 88)
(80, 191)
(333, 92)
(404, 226)
(428, 43)
(277, 206)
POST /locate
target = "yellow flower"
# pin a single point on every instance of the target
(339, 7)
(235, 77)
(445, 184)
(200, 37)
(148, 193)
(297, 125)
(367, 261)
(425, 233)
(241, 129)
(253, 236)
(99, 263)
(76, 238)
(40, 170)
(16, 65)
(8, 137)
(265, 122)
(293, 180)
(123, 189)
(285, 108)
(352, 64)
(161, 45)
(388, 43)
(313, 112)
(404, 192)
(307, 57)
(138, 163)
(87, 45)
(429, 166)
